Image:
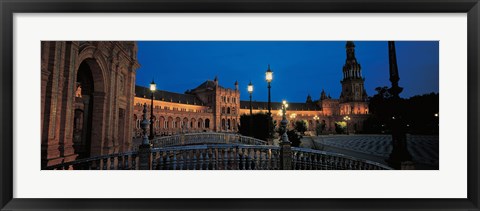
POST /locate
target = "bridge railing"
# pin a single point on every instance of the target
(117, 161)
(216, 157)
(205, 138)
(309, 159)
(205, 151)
(224, 157)
(253, 157)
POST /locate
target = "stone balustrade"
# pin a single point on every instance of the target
(205, 138)
(117, 161)
(252, 157)
(308, 159)
(221, 151)
(216, 157)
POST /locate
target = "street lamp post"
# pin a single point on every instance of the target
(269, 78)
(346, 118)
(399, 156)
(250, 91)
(153, 87)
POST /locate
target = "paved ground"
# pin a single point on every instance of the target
(424, 149)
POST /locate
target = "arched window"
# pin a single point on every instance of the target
(192, 123)
(228, 110)
(207, 123)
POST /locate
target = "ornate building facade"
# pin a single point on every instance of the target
(87, 99)
(211, 107)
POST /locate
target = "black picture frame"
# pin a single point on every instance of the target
(9, 7)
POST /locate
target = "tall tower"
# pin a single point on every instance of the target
(352, 82)
(353, 99)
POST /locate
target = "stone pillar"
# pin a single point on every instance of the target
(145, 157)
(285, 153)
(129, 111)
(145, 149)
(99, 120)
(285, 144)
(50, 141)
(68, 99)
(111, 139)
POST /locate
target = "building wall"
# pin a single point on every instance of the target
(107, 71)
(222, 105)
(170, 116)
(228, 117)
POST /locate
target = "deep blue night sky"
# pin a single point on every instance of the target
(299, 67)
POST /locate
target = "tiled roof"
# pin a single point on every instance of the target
(208, 84)
(168, 96)
(278, 105)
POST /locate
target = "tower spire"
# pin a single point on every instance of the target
(323, 95)
(351, 69)
(352, 83)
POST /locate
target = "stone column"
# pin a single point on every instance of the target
(145, 149)
(112, 101)
(68, 100)
(285, 154)
(50, 140)
(99, 120)
(285, 144)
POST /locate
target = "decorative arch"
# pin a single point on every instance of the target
(170, 123)
(91, 88)
(98, 63)
(193, 123)
(161, 122)
(185, 123)
(207, 123)
(200, 123)
(177, 122)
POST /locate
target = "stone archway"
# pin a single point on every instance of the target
(90, 103)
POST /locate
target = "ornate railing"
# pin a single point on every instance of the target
(252, 157)
(216, 157)
(224, 157)
(117, 161)
(205, 138)
(309, 159)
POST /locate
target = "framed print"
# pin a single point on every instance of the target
(239, 105)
